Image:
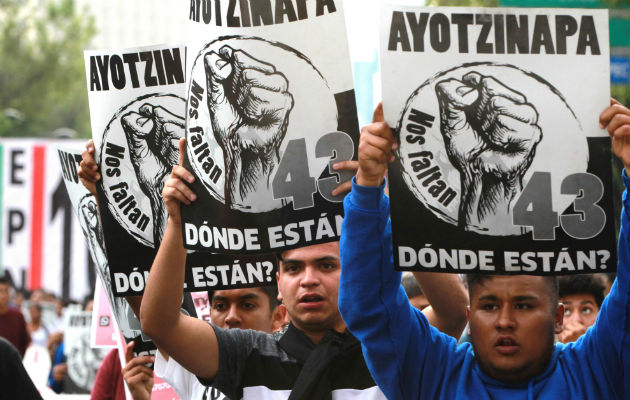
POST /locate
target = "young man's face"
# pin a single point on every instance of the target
(580, 307)
(242, 308)
(308, 282)
(512, 324)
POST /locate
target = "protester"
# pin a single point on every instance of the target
(15, 382)
(12, 323)
(582, 297)
(59, 368)
(19, 295)
(512, 318)
(36, 328)
(108, 384)
(248, 308)
(314, 358)
(37, 295)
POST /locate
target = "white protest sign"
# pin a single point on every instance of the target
(496, 113)
(270, 108)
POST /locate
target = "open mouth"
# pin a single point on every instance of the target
(506, 345)
(506, 342)
(311, 298)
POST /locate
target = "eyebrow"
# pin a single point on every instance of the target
(320, 259)
(247, 296)
(488, 297)
(523, 297)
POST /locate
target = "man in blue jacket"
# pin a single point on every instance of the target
(512, 318)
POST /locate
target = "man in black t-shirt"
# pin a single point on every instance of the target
(313, 359)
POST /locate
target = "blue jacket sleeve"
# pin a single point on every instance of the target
(407, 357)
(606, 344)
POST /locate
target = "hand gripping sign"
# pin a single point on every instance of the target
(500, 150)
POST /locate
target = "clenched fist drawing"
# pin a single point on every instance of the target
(249, 106)
(490, 132)
(92, 231)
(153, 138)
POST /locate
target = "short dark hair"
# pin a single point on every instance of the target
(478, 279)
(411, 286)
(271, 291)
(582, 284)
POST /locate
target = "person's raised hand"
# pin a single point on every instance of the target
(617, 119)
(138, 376)
(376, 147)
(88, 170)
(176, 191)
(59, 372)
(572, 331)
(350, 166)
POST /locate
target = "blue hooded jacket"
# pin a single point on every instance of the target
(409, 359)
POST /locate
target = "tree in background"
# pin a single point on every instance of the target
(42, 74)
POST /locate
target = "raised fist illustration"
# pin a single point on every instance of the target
(249, 106)
(153, 136)
(490, 132)
(92, 231)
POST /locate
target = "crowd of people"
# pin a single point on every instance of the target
(342, 323)
(34, 322)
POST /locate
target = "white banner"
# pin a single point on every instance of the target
(42, 245)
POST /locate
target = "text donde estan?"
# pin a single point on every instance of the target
(325, 228)
(536, 262)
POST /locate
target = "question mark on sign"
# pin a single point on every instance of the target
(269, 266)
(605, 256)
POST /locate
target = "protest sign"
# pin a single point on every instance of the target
(103, 329)
(270, 108)
(41, 242)
(501, 155)
(136, 110)
(86, 209)
(137, 115)
(82, 360)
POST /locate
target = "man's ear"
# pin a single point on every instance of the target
(278, 318)
(468, 319)
(278, 283)
(559, 318)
